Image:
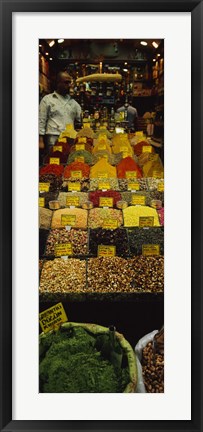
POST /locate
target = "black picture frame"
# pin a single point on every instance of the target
(7, 8)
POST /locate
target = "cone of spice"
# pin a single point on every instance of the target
(128, 164)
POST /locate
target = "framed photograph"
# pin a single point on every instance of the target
(157, 48)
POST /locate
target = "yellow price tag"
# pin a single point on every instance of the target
(74, 187)
(101, 147)
(105, 202)
(80, 159)
(79, 147)
(72, 201)
(123, 149)
(102, 174)
(82, 140)
(52, 318)
(69, 127)
(103, 185)
(76, 174)
(68, 220)
(157, 174)
(44, 187)
(150, 249)
(139, 134)
(57, 148)
(63, 140)
(133, 186)
(138, 200)
(160, 187)
(146, 221)
(63, 249)
(110, 224)
(41, 202)
(106, 251)
(131, 174)
(147, 149)
(55, 161)
(87, 125)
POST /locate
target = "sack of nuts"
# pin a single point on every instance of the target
(150, 353)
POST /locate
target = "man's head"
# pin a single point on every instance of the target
(63, 82)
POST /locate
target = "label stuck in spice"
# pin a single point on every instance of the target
(102, 174)
(110, 224)
(139, 134)
(160, 187)
(147, 149)
(138, 200)
(44, 187)
(57, 148)
(101, 147)
(72, 201)
(133, 186)
(68, 220)
(79, 147)
(103, 186)
(74, 187)
(55, 161)
(80, 159)
(105, 202)
(63, 249)
(106, 251)
(150, 249)
(63, 140)
(52, 318)
(76, 174)
(131, 174)
(146, 221)
(157, 174)
(124, 149)
(41, 202)
(82, 140)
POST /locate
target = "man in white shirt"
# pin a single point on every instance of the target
(56, 110)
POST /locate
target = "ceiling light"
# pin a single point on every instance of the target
(155, 45)
(60, 40)
(154, 59)
(158, 55)
(51, 44)
(125, 63)
(50, 58)
(125, 70)
(143, 43)
(40, 45)
(46, 53)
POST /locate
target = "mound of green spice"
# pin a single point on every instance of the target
(71, 363)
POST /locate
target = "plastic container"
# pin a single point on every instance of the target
(122, 204)
(54, 205)
(87, 205)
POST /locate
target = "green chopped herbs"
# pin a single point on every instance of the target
(71, 363)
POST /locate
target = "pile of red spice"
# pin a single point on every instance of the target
(138, 147)
(77, 166)
(94, 196)
(128, 164)
(52, 169)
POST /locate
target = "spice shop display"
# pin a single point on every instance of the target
(97, 217)
(75, 240)
(140, 216)
(140, 238)
(62, 276)
(116, 237)
(75, 217)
